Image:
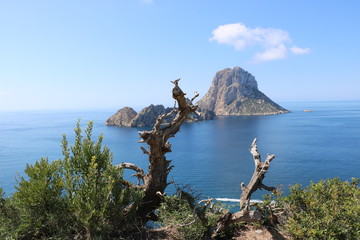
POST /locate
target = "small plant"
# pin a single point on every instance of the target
(183, 213)
(177, 213)
(329, 209)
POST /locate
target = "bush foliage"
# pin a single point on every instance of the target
(189, 220)
(80, 196)
(329, 209)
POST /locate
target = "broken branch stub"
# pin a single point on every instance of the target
(139, 172)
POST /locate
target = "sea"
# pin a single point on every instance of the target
(212, 158)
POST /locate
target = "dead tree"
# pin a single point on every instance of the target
(246, 214)
(155, 181)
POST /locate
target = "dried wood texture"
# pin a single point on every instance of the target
(245, 214)
(256, 180)
(155, 181)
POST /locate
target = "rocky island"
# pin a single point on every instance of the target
(128, 117)
(235, 92)
(232, 92)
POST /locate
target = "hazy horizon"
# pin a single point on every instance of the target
(107, 55)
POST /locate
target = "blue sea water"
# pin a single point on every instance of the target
(213, 156)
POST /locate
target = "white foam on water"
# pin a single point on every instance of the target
(236, 200)
(227, 199)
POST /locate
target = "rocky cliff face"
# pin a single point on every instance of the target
(148, 116)
(123, 117)
(127, 117)
(235, 92)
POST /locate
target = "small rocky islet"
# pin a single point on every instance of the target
(232, 92)
(128, 117)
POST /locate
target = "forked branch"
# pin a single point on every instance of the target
(256, 180)
(245, 214)
(155, 181)
(160, 119)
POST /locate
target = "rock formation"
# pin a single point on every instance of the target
(123, 117)
(232, 92)
(148, 116)
(127, 117)
(235, 92)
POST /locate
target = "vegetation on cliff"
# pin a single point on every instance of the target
(84, 196)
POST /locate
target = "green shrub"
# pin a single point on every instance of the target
(9, 218)
(39, 201)
(181, 213)
(80, 196)
(176, 212)
(94, 187)
(329, 209)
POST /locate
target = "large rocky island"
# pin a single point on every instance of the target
(235, 92)
(232, 92)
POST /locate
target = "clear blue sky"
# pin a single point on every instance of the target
(113, 53)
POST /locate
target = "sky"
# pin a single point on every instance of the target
(114, 53)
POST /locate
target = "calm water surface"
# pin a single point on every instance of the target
(211, 156)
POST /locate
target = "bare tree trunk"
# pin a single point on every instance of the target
(155, 181)
(245, 214)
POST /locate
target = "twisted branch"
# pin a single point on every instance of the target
(247, 190)
(155, 181)
(139, 172)
(256, 180)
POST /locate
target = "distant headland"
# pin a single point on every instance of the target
(232, 92)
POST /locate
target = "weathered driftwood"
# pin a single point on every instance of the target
(155, 181)
(245, 214)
